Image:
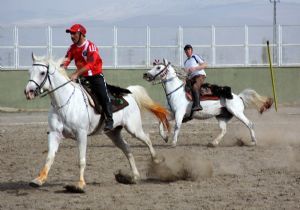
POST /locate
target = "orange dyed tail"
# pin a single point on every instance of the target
(145, 102)
(161, 113)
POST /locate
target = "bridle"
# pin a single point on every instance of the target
(164, 71)
(38, 90)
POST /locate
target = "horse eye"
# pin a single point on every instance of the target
(158, 67)
(42, 73)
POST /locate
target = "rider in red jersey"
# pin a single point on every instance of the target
(89, 65)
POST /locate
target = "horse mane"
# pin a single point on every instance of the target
(56, 63)
(181, 74)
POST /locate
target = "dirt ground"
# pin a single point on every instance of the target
(266, 176)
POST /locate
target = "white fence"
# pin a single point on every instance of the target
(243, 46)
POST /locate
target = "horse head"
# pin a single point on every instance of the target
(159, 71)
(38, 77)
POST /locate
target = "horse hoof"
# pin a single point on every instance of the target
(166, 139)
(252, 144)
(173, 145)
(124, 178)
(158, 160)
(35, 183)
(212, 145)
(74, 189)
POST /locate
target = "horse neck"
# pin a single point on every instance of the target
(62, 94)
(172, 81)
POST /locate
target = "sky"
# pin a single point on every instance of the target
(147, 12)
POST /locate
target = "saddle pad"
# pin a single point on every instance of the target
(118, 103)
(209, 97)
(202, 98)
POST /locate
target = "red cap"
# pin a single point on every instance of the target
(76, 28)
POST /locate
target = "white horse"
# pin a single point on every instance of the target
(222, 109)
(71, 116)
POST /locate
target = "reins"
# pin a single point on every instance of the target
(51, 91)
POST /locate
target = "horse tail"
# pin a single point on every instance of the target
(145, 102)
(261, 103)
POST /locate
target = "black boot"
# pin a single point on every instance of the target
(196, 100)
(109, 122)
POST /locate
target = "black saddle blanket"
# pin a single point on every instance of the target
(114, 92)
(208, 90)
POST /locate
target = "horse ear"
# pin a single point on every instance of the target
(156, 62)
(165, 61)
(33, 57)
(49, 57)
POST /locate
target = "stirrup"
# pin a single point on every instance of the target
(197, 108)
(108, 126)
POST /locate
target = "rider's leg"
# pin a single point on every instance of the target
(98, 85)
(196, 93)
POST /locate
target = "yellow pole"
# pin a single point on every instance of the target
(272, 76)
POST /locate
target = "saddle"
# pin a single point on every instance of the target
(115, 93)
(209, 91)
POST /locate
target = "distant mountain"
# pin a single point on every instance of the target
(225, 15)
(178, 13)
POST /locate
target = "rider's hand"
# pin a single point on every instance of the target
(191, 69)
(74, 76)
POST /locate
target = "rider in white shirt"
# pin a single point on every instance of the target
(194, 66)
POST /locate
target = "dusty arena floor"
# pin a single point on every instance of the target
(263, 177)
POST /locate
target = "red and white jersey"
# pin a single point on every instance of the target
(86, 55)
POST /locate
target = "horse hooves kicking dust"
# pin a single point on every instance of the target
(34, 184)
(211, 145)
(73, 189)
(242, 143)
(180, 165)
(123, 178)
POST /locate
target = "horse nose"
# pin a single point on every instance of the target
(147, 76)
(29, 93)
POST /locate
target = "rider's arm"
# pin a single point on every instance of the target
(90, 64)
(77, 73)
(201, 64)
(68, 58)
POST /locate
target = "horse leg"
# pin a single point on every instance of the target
(178, 122)
(241, 116)
(82, 142)
(137, 131)
(222, 124)
(162, 132)
(117, 139)
(53, 144)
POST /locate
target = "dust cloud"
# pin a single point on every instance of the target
(267, 134)
(179, 164)
(277, 134)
